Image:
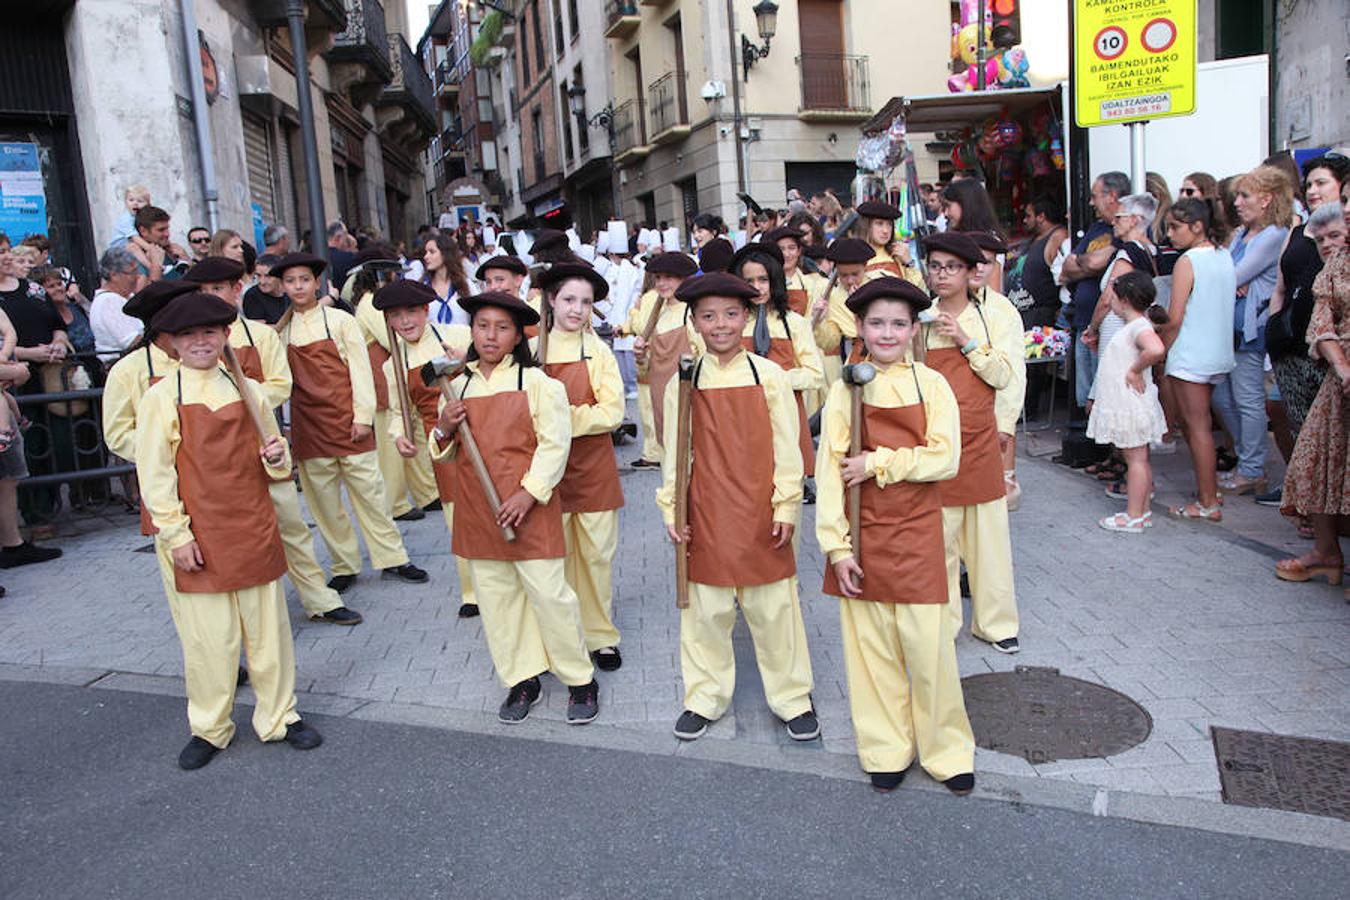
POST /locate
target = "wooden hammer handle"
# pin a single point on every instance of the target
(465, 435)
(400, 368)
(245, 394)
(683, 451)
(855, 491)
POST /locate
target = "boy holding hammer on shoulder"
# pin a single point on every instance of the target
(890, 433)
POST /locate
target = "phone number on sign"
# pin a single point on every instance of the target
(1126, 107)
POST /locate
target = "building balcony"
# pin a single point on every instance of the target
(834, 87)
(666, 103)
(360, 53)
(496, 33)
(447, 84)
(406, 107)
(621, 18)
(630, 133)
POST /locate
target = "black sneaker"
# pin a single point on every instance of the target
(468, 610)
(885, 782)
(960, 785)
(607, 659)
(406, 572)
(416, 514)
(242, 678)
(690, 726)
(965, 585)
(433, 506)
(340, 616)
(1007, 645)
(808, 493)
(645, 464)
(196, 754)
(25, 554)
(583, 703)
(1273, 498)
(341, 583)
(518, 701)
(302, 736)
(805, 727)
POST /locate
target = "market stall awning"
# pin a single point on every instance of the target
(953, 112)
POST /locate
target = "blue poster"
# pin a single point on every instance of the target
(23, 202)
(258, 226)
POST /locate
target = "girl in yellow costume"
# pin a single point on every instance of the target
(876, 225)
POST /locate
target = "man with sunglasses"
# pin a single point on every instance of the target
(199, 242)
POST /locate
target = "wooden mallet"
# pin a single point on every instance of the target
(683, 452)
(648, 330)
(855, 376)
(442, 370)
(400, 380)
(250, 402)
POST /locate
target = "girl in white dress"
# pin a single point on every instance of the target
(1127, 412)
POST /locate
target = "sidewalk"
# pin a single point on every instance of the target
(1187, 619)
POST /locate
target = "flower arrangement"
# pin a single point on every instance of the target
(1046, 342)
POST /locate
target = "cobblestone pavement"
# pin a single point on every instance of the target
(1187, 619)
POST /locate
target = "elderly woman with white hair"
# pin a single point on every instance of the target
(1134, 251)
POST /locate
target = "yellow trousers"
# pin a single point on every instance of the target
(978, 536)
(592, 539)
(904, 690)
(401, 475)
(651, 441)
(531, 620)
(708, 662)
(322, 480)
(306, 574)
(212, 628)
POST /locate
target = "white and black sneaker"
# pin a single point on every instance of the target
(1007, 645)
(518, 701)
(690, 726)
(805, 727)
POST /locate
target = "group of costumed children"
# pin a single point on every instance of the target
(508, 430)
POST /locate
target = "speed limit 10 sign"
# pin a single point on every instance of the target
(1133, 60)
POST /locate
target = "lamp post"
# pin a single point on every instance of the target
(766, 23)
(576, 96)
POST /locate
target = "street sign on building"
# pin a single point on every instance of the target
(1134, 60)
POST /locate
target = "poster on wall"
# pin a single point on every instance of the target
(23, 203)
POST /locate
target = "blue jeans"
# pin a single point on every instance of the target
(1241, 401)
(1085, 370)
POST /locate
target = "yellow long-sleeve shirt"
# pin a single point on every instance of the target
(549, 413)
(909, 272)
(787, 455)
(937, 460)
(427, 348)
(1000, 346)
(606, 413)
(672, 317)
(1009, 399)
(371, 321)
(809, 375)
(127, 382)
(276, 383)
(309, 326)
(158, 437)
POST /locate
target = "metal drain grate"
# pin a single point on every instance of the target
(1042, 716)
(1276, 771)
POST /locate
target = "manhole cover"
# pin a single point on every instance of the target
(1041, 716)
(1276, 771)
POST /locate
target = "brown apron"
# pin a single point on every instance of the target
(591, 482)
(663, 355)
(147, 525)
(902, 552)
(504, 430)
(223, 487)
(799, 301)
(249, 358)
(427, 401)
(782, 352)
(889, 266)
(980, 478)
(378, 355)
(731, 489)
(321, 401)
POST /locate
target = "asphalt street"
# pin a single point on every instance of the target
(94, 806)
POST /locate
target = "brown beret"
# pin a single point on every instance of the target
(518, 308)
(197, 309)
(502, 261)
(815, 251)
(403, 292)
(957, 243)
(213, 269)
(850, 250)
(678, 264)
(751, 250)
(547, 240)
(784, 233)
(560, 272)
(715, 284)
(715, 256)
(887, 287)
(875, 209)
(149, 300)
(987, 240)
(315, 264)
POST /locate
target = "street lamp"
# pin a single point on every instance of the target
(576, 99)
(766, 22)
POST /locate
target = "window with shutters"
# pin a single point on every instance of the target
(258, 160)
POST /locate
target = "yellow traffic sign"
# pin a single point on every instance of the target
(1133, 60)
